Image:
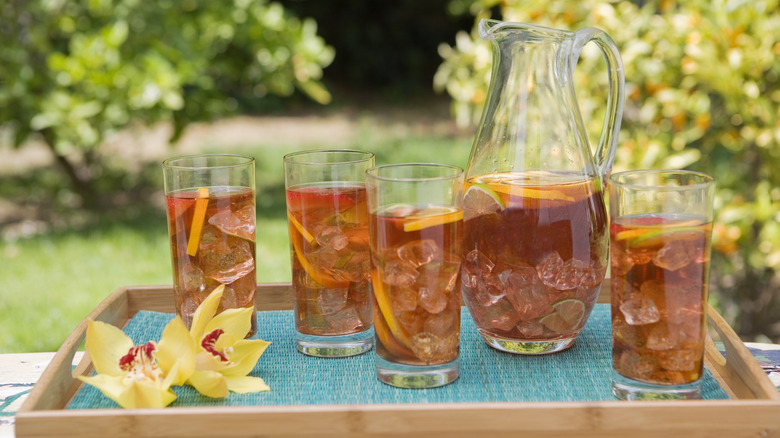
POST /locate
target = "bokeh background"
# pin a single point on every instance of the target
(94, 94)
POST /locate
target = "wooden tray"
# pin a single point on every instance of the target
(753, 411)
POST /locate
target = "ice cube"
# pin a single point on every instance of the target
(549, 268)
(187, 310)
(412, 322)
(621, 262)
(672, 256)
(359, 266)
(228, 262)
(640, 256)
(332, 237)
(477, 263)
(443, 323)
(432, 349)
(240, 223)
(324, 258)
(678, 360)
(404, 298)
(229, 299)
(346, 321)
(397, 273)
(622, 289)
(433, 300)
(191, 279)
(530, 329)
(499, 315)
(660, 338)
(639, 310)
(419, 252)
(332, 300)
(633, 363)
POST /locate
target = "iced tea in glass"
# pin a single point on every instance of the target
(660, 257)
(534, 256)
(415, 227)
(210, 201)
(328, 227)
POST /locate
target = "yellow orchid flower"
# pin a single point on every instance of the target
(224, 357)
(139, 376)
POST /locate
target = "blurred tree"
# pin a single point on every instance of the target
(703, 92)
(73, 71)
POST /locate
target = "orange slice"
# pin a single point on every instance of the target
(527, 192)
(197, 220)
(385, 307)
(320, 278)
(432, 216)
(298, 226)
(387, 339)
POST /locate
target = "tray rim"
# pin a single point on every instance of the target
(755, 403)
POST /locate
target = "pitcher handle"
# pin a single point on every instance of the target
(605, 153)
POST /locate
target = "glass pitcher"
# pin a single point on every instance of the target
(535, 240)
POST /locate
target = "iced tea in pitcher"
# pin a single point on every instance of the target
(534, 256)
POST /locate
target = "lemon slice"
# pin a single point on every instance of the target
(432, 216)
(385, 307)
(298, 226)
(527, 192)
(197, 220)
(566, 316)
(480, 200)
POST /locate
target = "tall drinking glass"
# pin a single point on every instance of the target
(660, 259)
(211, 223)
(328, 224)
(416, 221)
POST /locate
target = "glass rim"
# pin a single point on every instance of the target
(706, 180)
(169, 163)
(290, 158)
(371, 173)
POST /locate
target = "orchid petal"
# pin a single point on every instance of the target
(245, 384)
(106, 344)
(234, 322)
(205, 312)
(245, 356)
(176, 347)
(209, 383)
(206, 361)
(142, 394)
(111, 386)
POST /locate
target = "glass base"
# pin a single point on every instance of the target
(335, 346)
(627, 389)
(515, 346)
(417, 377)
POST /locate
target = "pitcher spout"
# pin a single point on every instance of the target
(491, 30)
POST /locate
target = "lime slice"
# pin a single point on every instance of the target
(566, 316)
(432, 216)
(479, 200)
(657, 237)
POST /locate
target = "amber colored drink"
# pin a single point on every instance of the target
(660, 270)
(330, 258)
(416, 278)
(212, 235)
(534, 257)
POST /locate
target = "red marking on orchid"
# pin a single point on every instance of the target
(126, 362)
(208, 344)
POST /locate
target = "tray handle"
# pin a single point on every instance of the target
(738, 368)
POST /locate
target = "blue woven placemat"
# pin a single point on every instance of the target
(581, 373)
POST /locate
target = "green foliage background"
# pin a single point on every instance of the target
(703, 92)
(74, 71)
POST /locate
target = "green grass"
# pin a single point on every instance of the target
(50, 282)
